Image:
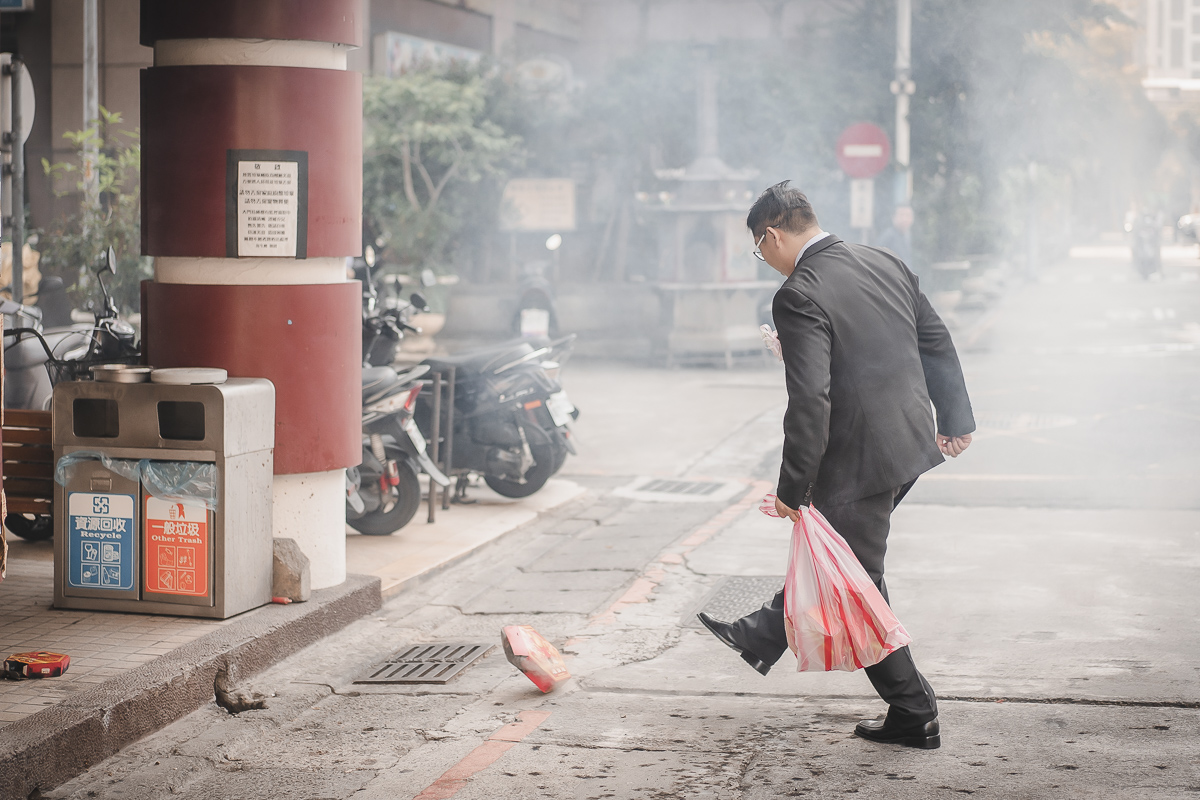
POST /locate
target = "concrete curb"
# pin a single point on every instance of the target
(52, 746)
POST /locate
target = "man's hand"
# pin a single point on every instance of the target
(784, 511)
(953, 446)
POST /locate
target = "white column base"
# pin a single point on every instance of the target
(311, 508)
(249, 271)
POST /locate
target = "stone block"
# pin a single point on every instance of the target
(290, 573)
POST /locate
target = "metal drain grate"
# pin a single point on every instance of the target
(694, 488)
(435, 662)
(673, 490)
(735, 597)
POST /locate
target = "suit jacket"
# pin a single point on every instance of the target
(864, 354)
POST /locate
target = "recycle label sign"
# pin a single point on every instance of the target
(176, 547)
(101, 539)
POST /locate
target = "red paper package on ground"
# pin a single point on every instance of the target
(38, 664)
(834, 615)
(534, 656)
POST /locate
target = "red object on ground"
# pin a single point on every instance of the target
(38, 664)
(283, 601)
(533, 655)
(863, 150)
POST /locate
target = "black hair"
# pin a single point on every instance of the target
(782, 207)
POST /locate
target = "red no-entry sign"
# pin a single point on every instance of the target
(863, 150)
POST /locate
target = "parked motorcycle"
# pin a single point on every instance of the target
(35, 360)
(383, 494)
(511, 415)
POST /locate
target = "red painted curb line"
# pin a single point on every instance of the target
(484, 756)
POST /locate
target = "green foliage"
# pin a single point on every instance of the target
(998, 87)
(1023, 110)
(107, 215)
(429, 145)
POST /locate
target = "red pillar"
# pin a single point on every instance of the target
(252, 199)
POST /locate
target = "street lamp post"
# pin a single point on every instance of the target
(91, 99)
(903, 88)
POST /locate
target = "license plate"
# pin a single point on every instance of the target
(410, 427)
(560, 408)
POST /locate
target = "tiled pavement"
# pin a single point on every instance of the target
(102, 645)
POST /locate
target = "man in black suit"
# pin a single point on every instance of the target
(864, 355)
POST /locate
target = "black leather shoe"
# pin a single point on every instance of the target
(724, 632)
(925, 737)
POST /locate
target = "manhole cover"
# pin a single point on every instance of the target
(435, 662)
(735, 597)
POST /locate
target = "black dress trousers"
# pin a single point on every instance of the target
(864, 524)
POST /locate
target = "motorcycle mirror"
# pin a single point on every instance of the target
(418, 301)
(110, 260)
(369, 255)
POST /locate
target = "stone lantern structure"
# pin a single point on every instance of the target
(707, 275)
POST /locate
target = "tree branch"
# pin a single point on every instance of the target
(406, 161)
(425, 176)
(436, 193)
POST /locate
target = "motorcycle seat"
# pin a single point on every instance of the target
(476, 361)
(376, 379)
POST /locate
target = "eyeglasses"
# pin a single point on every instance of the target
(758, 252)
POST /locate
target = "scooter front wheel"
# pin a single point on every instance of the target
(385, 523)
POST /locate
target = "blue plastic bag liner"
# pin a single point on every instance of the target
(167, 480)
(125, 467)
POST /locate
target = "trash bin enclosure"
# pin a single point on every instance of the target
(162, 499)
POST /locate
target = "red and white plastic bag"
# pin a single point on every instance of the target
(834, 615)
(528, 651)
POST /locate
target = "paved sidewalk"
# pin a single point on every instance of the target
(421, 548)
(102, 645)
(117, 659)
(1037, 701)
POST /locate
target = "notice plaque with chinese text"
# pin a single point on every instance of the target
(266, 204)
(267, 208)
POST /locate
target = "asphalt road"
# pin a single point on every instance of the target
(1048, 578)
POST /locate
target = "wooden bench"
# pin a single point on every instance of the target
(28, 467)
